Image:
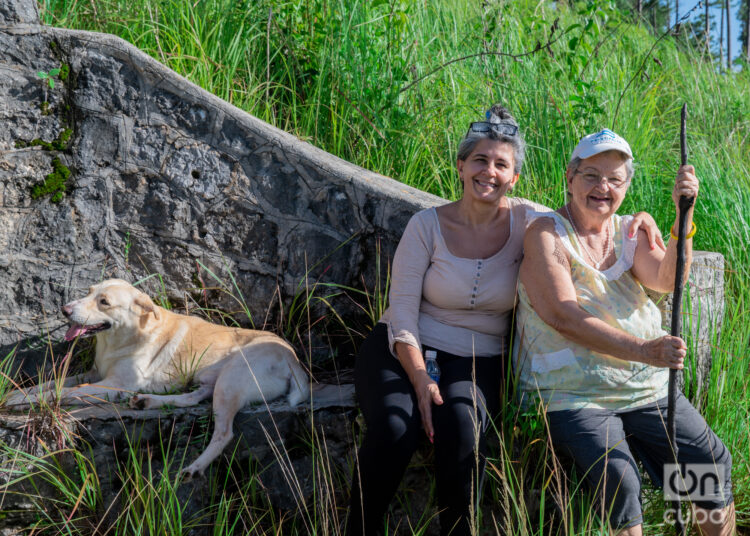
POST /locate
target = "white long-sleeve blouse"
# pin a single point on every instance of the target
(458, 305)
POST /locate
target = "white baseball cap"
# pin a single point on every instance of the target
(604, 140)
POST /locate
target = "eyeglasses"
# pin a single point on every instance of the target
(506, 129)
(592, 179)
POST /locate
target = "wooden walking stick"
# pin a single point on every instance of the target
(684, 206)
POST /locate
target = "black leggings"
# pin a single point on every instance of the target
(394, 427)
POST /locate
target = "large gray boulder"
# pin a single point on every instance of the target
(15, 11)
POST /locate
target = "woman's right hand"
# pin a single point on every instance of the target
(667, 351)
(428, 393)
(426, 389)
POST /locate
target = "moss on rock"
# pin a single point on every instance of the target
(54, 183)
(58, 144)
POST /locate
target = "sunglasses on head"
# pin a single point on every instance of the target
(506, 129)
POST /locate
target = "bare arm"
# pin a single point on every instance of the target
(545, 274)
(656, 269)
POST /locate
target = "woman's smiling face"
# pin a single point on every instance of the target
(600, 183)
(487, 173)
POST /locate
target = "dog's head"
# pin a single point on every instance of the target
(111, 303)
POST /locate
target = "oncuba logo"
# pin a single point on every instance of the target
(698, 482)
(604, 136)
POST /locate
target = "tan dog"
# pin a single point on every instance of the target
(143, 347)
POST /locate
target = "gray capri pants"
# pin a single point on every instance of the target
(603, 444)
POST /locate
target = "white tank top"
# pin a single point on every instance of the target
(566, 375)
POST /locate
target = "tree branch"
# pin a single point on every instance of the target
(516, 57)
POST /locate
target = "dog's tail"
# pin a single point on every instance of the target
(299, 386)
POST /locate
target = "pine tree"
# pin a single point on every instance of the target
(721, 37)
(708, 28)
(729, 38)
(743, 15)
(658, 13)
(694, 34)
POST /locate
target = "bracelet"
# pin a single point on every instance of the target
(689, 235)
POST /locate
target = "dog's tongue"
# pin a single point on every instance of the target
(74, 331)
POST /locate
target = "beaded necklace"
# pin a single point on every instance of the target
(607, 240)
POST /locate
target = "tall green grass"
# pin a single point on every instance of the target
(339, 74)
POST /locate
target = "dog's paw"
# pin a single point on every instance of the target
(139, 402)
(191, 472)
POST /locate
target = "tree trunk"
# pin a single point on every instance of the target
(639, 7)
(729, 38)
(747, 32)
(676, 11)
(721, 38)
(708, 30)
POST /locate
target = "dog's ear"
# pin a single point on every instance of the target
(145, 303)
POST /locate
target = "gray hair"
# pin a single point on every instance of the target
(496, 114)
(573, 164)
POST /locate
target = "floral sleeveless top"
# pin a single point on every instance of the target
(566, 375)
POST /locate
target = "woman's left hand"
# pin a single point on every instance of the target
(686, 184)
(643, 221)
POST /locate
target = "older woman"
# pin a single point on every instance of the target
(453, 289)
(591, 351)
